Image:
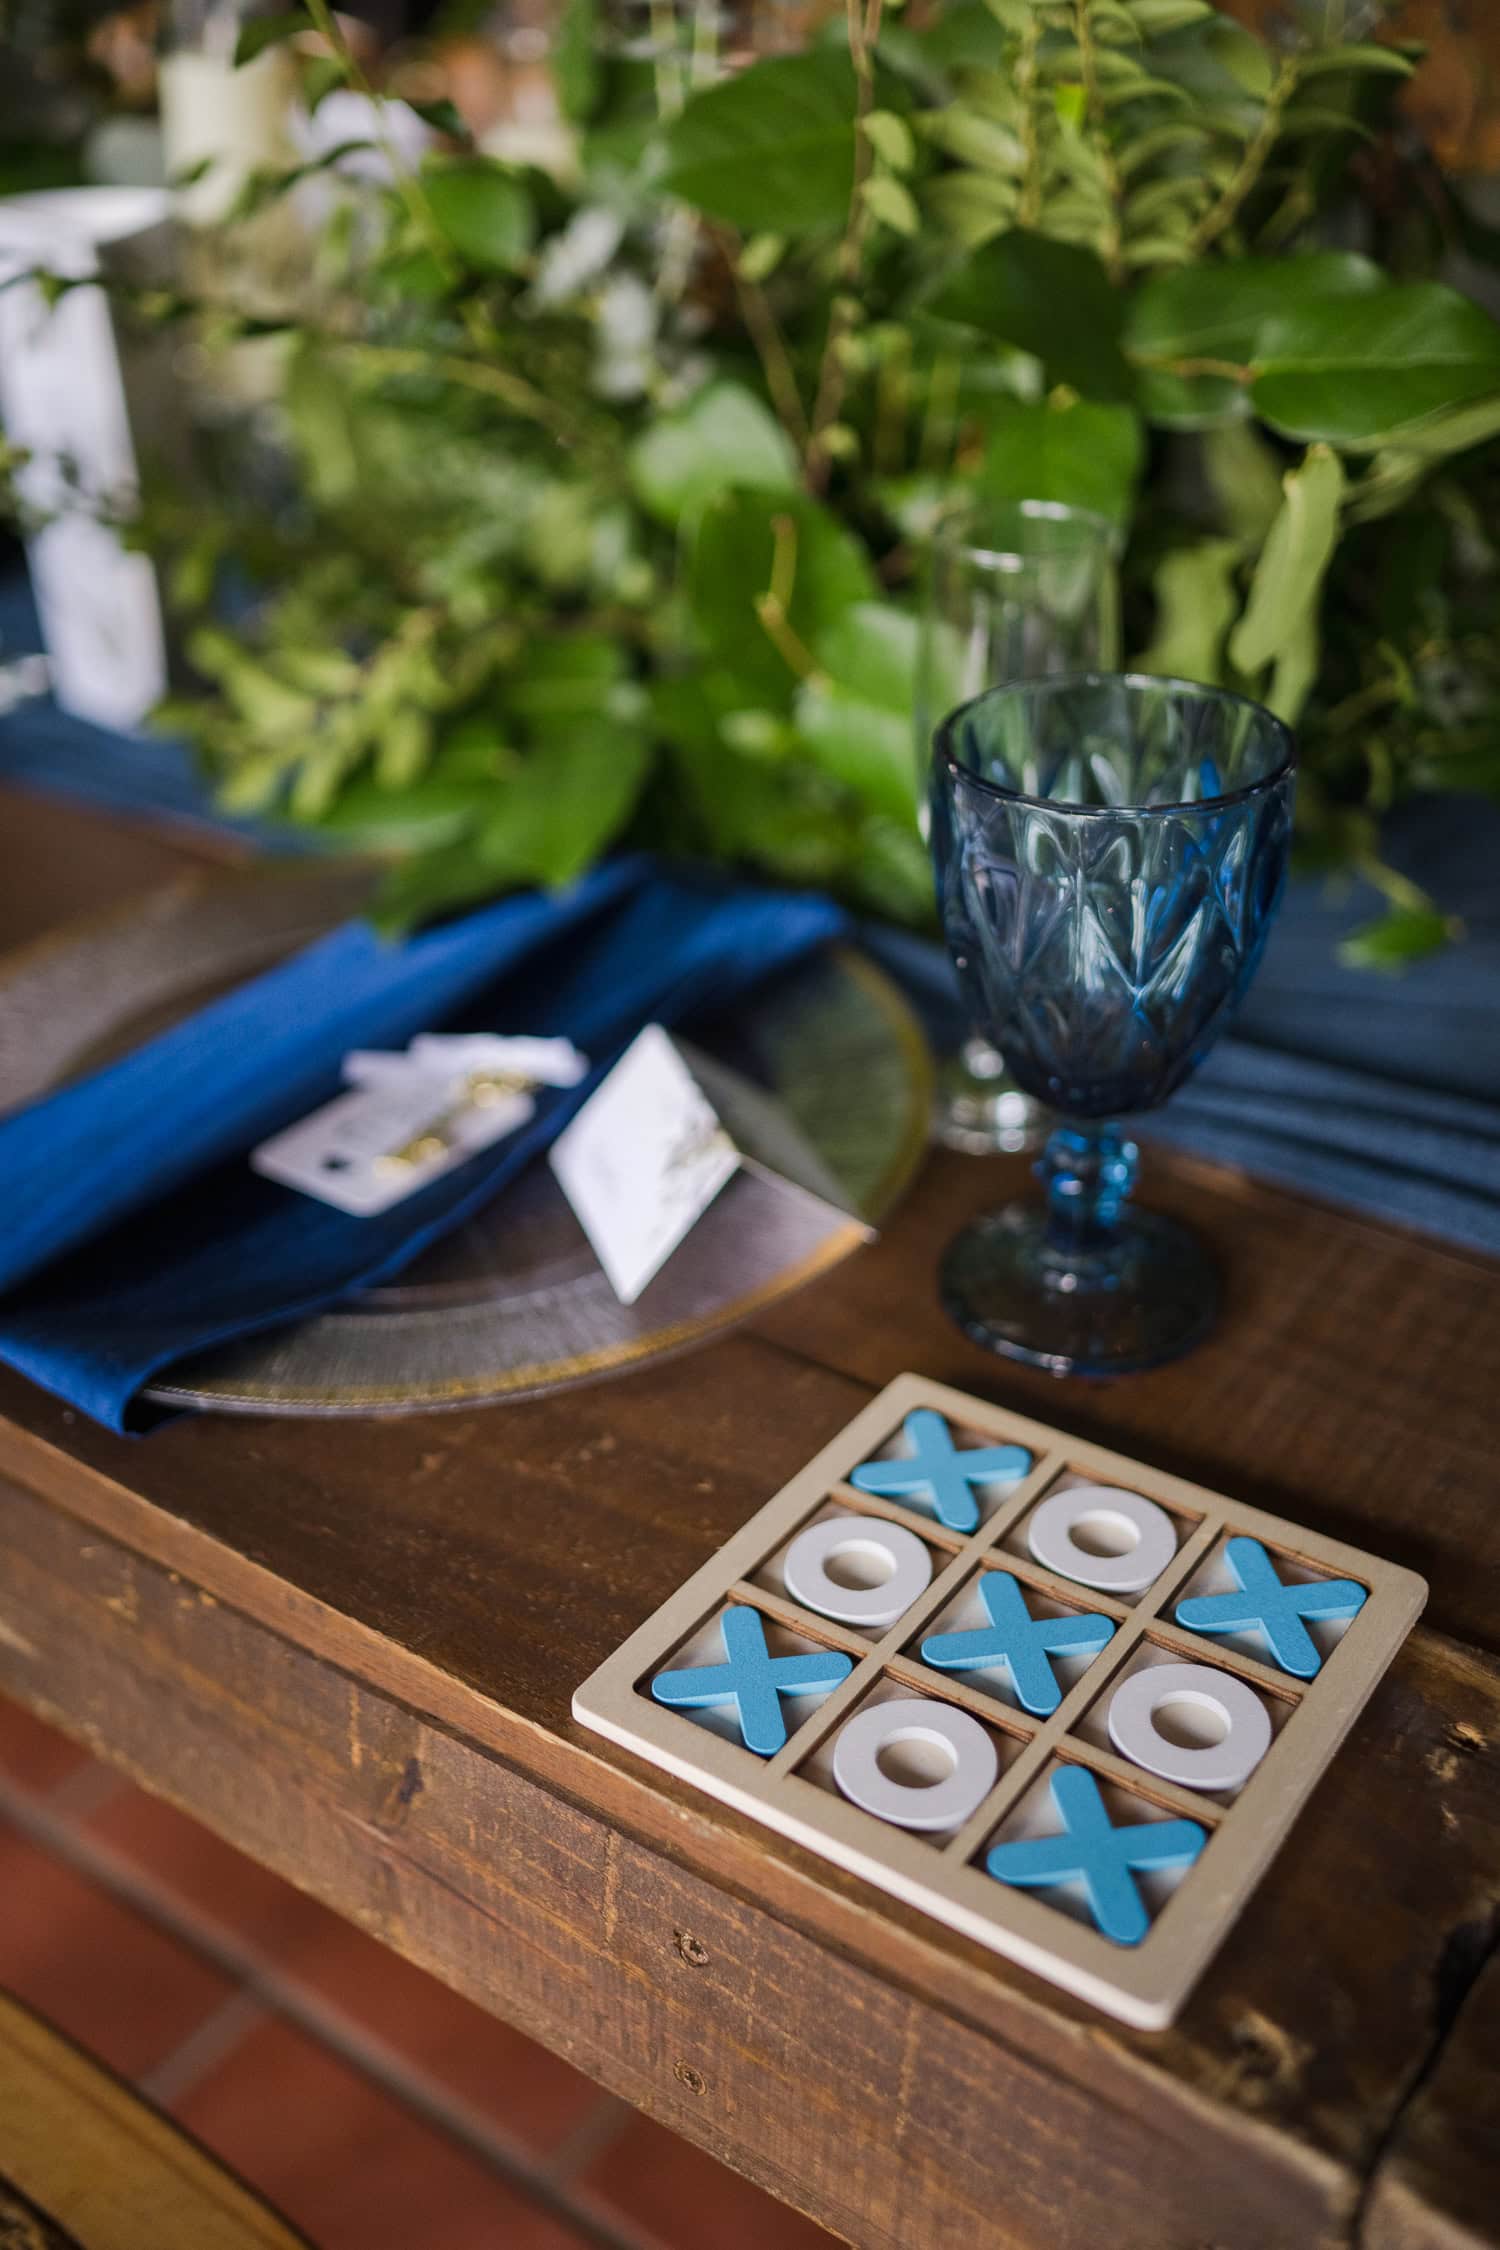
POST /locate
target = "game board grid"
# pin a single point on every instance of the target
(921, 1679)
(945, 1877)
(1044, 1741)
(1045, 1467)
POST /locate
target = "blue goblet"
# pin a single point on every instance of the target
(1110, 850)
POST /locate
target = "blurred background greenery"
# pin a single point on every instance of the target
(571, 391)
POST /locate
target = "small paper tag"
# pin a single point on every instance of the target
(413, 1116)
(369, 1150)
(642, 1161)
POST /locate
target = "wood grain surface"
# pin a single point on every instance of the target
(350, 1647)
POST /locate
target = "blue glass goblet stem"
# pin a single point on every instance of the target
(1110, 851)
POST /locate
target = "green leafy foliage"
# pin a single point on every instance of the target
(602, 495)
(1400, 937)
(772, 148)
(769, 577)
(1047, 298)
(1369, 372)
(1084, 454)
(1218, 313)
(723, 436)
(482, 210)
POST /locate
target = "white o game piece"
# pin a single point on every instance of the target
(905, 1560)
(919, 1721)
(1226, 1764)
(1051, 1536)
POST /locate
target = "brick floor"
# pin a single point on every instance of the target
(378, 2110)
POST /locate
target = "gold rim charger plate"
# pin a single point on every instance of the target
(513, 1302)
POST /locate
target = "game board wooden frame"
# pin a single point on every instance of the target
(1144, 1985)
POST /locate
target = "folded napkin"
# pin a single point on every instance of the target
(137, 1231)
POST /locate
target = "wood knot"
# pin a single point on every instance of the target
(403, 1791)
(694, 2080)
(1268, 2061)
(692, 1949)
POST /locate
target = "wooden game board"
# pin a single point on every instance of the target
(1055, 1927)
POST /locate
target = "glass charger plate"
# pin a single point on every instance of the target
(514, 1302)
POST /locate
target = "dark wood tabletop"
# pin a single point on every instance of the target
(350, 1647)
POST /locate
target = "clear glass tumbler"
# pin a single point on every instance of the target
(1110, 851)
(1015, 590)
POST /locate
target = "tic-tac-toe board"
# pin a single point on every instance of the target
(1059, 1701)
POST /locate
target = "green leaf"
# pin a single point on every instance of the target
(575, 59)
(1295, 671)
(783, 817)
(1289, 574)
(722, 436)
(740, 536)
(1304, 121)
(760, 257)
(855, 715)
(855, 742)
(1084, 454)
(1453, 432)
(569, 676)
(1246, 58)
(1048, 298)
(1196, 599)
(1371, 371)
(892, 871)
(1362, 57)
(318, 75)
(1218, 312)
(1155, 17)
(483, 209)
(1244, 471)
(890, 137)
(404, 747)
(771, 149)
(258, 33)
(873, 647)
(1401, 936)
(423, 817)
(974, 139)
(435, 883)
(564, 804)
(888, 201)
(972, 207)
(443, 117)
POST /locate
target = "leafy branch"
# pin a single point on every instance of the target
(864, 30)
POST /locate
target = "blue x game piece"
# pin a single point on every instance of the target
(937, 1474)
(753, 1679)
(1019, 1641)
(1093, 1851)
(1272, 1607)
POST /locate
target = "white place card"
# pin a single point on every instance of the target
(642, 1161)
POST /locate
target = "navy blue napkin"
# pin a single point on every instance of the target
(101, 1298)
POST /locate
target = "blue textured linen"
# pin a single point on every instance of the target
(101, 1298)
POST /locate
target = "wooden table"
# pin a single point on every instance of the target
(350, 1647)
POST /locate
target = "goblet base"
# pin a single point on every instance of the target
(979, 1109)
(1151, 1297)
